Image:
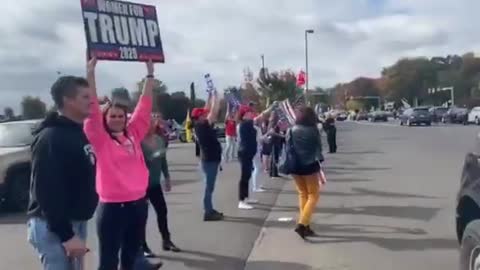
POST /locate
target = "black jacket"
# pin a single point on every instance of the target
(248, 139)
(209, 146)
(63, 175)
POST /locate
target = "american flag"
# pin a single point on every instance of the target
(286, 110)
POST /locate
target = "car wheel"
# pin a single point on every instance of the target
(444, 120)
(428, 123)
(401, 122)
(470, 246)
(409, 123)
(477, 121)
(18, 191)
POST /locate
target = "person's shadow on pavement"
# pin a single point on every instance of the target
(210, 261)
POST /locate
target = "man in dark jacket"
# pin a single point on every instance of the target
(331, 130)
(62, 195)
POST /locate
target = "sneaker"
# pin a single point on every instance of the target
(244, 206)
(148, 253)
(251, 200)
(259, 190)
(213, 216)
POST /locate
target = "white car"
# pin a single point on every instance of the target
(474, 116)
(15, 159)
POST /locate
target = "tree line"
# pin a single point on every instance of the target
(411, 78)
(408, 79)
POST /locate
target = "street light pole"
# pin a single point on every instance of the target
(308, 31)
(263, 61)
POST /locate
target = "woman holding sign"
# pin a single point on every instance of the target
(121, 176)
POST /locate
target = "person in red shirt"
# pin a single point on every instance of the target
(230, 136)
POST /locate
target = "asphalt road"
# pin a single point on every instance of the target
(389, 204)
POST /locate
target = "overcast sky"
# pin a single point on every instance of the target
(352, 38)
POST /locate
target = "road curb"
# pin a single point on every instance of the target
(263, 231)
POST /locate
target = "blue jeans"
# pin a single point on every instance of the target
(49, 247)
(210, 170)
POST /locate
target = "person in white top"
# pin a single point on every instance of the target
(257, 162)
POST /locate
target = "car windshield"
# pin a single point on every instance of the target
(16, 134)
(420, 111)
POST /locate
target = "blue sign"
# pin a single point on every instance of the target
(122, 31)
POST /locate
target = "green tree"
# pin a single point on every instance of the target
(33, 108)
(159, 89)
(9, 113)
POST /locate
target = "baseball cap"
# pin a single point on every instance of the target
(197, 112)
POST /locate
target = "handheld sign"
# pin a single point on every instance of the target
(122, 31)
(210, 86)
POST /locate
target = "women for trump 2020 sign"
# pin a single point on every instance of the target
(122, 31)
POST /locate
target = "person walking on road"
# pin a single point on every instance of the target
(122, 176)
(154, 149)
(210, 151)
(62, 191)
(230, 136)
(331, 130)
(308, 174)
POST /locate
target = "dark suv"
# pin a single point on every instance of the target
(468, 210)
(456, 115)
(416, 116)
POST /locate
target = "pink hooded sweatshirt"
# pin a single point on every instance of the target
(122, 175)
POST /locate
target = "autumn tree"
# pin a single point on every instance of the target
(277, 85)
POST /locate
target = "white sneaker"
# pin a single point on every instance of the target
(244, 206)
(260, 190)
(251, 200)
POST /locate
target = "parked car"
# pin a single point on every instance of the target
(341, 116)
(474, 116)
(377, 116)
(361, 116)
(456, 115)
(416, 116)
(15, 163)
(437, 113)
(468, 209)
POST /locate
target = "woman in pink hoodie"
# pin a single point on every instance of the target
(122, 176)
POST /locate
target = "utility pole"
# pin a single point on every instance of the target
(309, 31)
(263, 62)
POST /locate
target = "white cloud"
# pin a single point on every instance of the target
(352, 38)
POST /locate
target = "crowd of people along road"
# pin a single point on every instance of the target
(86, 158)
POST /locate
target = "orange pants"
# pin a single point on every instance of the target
(308, 192)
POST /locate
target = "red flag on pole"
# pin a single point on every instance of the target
(301, 79)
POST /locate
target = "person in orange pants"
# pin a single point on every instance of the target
(308, 176)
